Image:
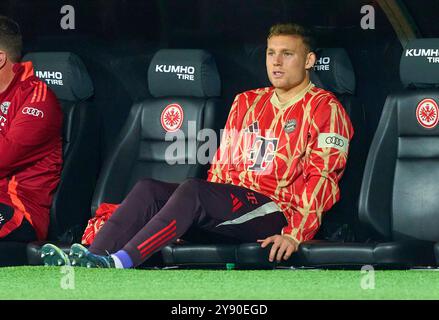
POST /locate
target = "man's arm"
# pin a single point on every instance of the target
(222, 160)
(330, 133)
(33, 127)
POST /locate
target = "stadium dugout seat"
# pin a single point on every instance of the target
(436, 253)
(397, 205)
(183, 82)
(67, 76)
(334, 72)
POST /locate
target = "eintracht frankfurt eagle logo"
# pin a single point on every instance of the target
(427, 113)
(172, 117)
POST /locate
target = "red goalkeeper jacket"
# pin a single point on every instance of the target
(30, 150)
(293, 152)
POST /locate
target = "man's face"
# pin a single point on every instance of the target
(287, 61)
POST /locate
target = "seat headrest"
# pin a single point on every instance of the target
(183, 72)
(334, 69)
(419, 66)
(64, 72)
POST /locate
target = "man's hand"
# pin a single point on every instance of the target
(282, 246)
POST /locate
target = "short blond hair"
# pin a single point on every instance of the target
(292, 29)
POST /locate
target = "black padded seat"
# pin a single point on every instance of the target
(202, 256)
(398, 204)
(326, 254)
(139, 152)
(12, 254)
(184, 82)
(67, 76)
(334, 72)
(314, 254)
(436, 252)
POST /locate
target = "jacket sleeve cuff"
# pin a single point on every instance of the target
(291, 236)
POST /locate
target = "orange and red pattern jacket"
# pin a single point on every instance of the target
(30, 149)
(103, 213)
(294, 153)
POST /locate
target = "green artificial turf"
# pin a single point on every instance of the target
(46, 283)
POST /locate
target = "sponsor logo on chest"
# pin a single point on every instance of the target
(262, 151)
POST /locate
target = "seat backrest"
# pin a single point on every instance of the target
(67, 76)
(398, 199)
(185, 86)
(333, 71)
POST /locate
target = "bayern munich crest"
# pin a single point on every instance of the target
(4, 107)
(172, 117)
(427, 113)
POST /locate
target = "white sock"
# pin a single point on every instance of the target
(117, 262)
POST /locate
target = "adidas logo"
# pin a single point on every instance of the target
(1, 218)
(236, 203)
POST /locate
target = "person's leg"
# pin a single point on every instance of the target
(209, 206)
(140, 205)
(145, 199)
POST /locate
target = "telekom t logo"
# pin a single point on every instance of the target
(262, 151)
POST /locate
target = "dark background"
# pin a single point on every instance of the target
(117, 38)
